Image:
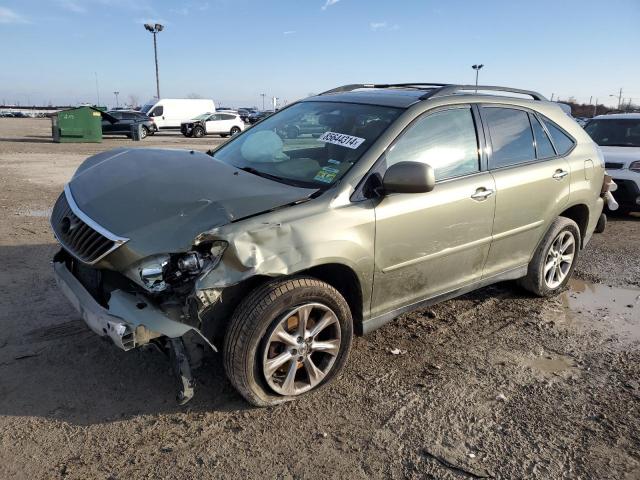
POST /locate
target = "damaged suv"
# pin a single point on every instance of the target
(277, 249)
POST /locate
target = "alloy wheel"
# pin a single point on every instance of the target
(559, 259)
(301, 350)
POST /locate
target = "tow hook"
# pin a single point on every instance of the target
(181, 370)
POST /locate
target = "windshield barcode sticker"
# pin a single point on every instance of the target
(341, 139)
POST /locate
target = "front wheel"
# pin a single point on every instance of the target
(287, 338)
(554, 259)
(198, 132)
(143, 132)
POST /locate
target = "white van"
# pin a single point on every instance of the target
(171, 112)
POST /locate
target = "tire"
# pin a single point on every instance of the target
(144, 132)
(198, 132)
(602, 224)
(234, 131)
(253, 333)
(537, 280)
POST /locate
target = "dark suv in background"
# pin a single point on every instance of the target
(125, 121)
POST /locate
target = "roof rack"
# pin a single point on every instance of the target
(435, 90)
(453, 89)
(354, 86)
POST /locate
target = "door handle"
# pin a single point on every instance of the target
(482, 194)
(560, 174)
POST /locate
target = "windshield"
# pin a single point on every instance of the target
(204, 116)
(147, 108)
(615, 132)
(310, 144)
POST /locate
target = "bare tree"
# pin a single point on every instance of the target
(134, 101)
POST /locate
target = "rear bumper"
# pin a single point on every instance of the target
(129, 321)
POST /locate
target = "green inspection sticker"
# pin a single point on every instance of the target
(326, 175)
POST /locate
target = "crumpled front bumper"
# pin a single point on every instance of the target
(130, 320)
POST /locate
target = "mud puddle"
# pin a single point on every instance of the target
(614, 309)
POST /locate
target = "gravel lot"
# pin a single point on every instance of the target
(495, 384)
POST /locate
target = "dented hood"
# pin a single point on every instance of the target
(162, 199)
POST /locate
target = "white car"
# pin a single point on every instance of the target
(219, 123)
(619, 138)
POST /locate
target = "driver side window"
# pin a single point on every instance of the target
(446, 140)
(157, 112)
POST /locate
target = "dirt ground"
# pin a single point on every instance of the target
(495, 384)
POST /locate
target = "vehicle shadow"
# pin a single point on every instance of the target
(52, 366)
(27, 139)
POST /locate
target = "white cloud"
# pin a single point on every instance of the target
(289, 32)
(9, 16)
(328, 3)
(376, 26)
(72, 6)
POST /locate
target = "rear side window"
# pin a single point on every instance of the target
(544, 148)
(446, 140)
(511, 137)
(226, 116)
(561, 140)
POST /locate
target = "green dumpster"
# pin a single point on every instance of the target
(78, 125)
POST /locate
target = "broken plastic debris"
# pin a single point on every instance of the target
(397, 351)
(501, 397)
(471, 455)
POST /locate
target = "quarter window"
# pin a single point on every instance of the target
(544, 148)
(561, 140)
(511, 137)
(446, 140)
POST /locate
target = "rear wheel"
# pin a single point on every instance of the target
(602, 223)
(554, 260)
(198, 132)
(287, 338)
(235, 131)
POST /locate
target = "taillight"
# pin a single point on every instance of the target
(635, 166)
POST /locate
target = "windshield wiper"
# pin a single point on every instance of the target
(263, 174)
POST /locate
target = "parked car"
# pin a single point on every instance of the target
(619, 138)
(172, 112)
(311, 125)
(219, 123)
(245, 113)
(255, 117)
(125, 120)
(276, 251)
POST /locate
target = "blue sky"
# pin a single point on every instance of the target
(233, 50)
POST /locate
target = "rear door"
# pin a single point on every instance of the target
(214, 124)
(431, 243)
(532, 184)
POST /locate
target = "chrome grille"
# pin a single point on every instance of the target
(73, 230)
(613, 165)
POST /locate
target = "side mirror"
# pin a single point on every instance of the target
(409, 177)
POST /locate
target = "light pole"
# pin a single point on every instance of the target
(262, 95)
(477, 68)
(155, 29)
(116, 94)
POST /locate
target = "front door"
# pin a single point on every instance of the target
(432, 243)
(532, 185)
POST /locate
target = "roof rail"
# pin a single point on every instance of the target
(354, 86)
(453, 89)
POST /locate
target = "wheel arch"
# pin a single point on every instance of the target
(579, 213)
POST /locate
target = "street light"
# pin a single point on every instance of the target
(477, 68)
(116, 94)
(262, 95)
(155, 29)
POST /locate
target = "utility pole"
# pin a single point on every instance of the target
(97, 88)
(595, 108)
(477, 68)
(262, 95)
(155, 29)
(620, 99)
(116, 94)
(552, 96)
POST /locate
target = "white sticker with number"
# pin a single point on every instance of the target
(341, 139)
